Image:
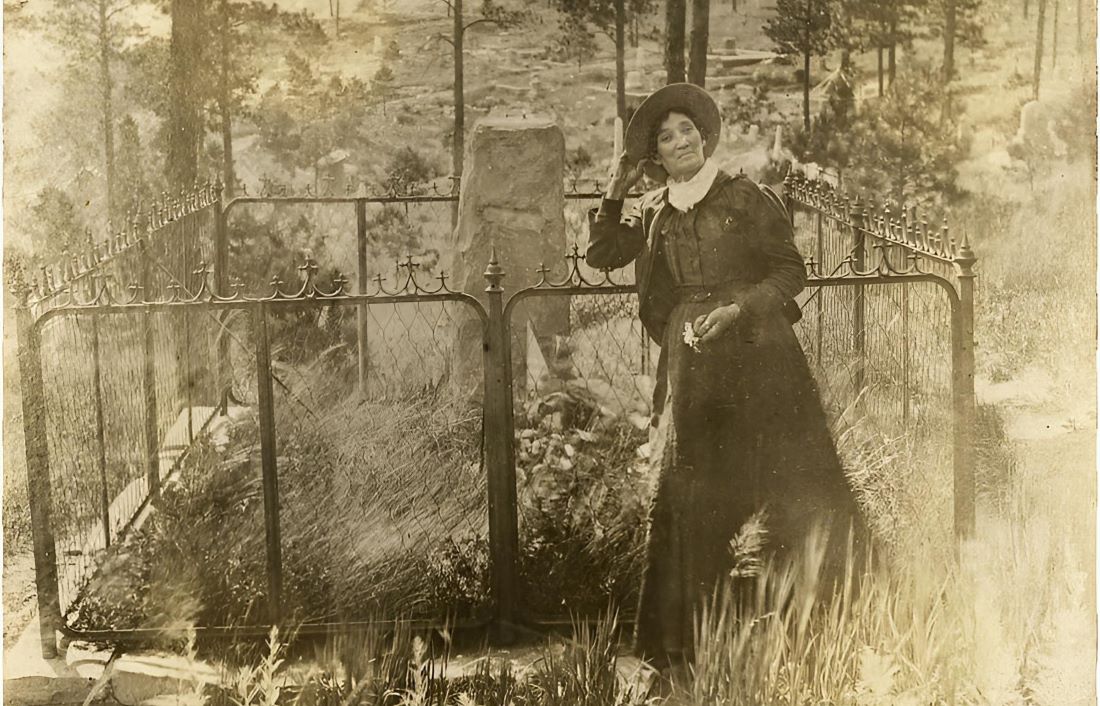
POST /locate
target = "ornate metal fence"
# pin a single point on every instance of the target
(888, 326)
(109, 402)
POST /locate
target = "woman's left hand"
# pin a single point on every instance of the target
(709, 327)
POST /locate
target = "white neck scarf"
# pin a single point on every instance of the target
(683, 195)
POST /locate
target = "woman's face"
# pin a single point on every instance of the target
(679, 146)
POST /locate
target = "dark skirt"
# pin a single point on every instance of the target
(743, 429)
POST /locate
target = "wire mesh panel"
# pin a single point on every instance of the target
(827, 242)
(382, 490)
(180, 564)
(582, 396)
(116, 425)
(881, 355)
(72, 440)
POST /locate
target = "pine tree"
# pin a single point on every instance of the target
(700, 38)
(56, 226)
(132, 181)
(609, 17)
(490, 13)
(93, 33)
(381, 84)
(241, 28)
(957, 22)
(802, 27)
(675, 26)
(905, 145)
(186, 63)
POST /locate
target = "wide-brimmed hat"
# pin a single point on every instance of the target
(684, 96)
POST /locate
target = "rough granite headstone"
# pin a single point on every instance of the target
(513, 201)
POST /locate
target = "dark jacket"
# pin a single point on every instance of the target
(754, 257)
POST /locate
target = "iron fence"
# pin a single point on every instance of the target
(888, 327)
(897, 347)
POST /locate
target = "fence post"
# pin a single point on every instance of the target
(149, 379)
(39, 490)
(362, 337)
(266, 399)
(100, 435)
(819, 306)
(500, 460)
(185, 225)
(221, 289)
(859, 305)
(964, 403)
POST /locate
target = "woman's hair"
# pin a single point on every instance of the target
(662, 117)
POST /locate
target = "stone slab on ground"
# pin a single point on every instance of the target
(142, 677)
(30, 679)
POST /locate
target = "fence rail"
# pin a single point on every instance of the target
(144, 368)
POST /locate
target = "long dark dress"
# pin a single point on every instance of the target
(746, 429)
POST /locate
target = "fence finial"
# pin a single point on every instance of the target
(494, 274)
(965, 257)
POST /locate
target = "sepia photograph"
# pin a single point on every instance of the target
(549, 352)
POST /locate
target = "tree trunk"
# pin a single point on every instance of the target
(892, 61)
(881, 90)
(846, 47)
(458, 143)
(891, 65)
(675, 24)
(700, 37)
(620, 60)
(1039, 50)
(1054, 39)
(949, 22)
(806, 81)
(806, 89)
(184, 118)
(106, 88)
(229, 176)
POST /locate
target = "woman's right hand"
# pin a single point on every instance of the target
(624, 176)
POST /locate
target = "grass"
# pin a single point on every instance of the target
(389, 534)
(1007, 621)
(396, 666)
(383, 509)
(991, 628)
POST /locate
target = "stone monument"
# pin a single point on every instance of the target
(512, 202)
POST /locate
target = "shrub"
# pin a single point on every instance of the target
(408, 169)
(583, 504)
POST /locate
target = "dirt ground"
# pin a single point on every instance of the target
(19, 595)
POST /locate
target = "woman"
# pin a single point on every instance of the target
(716, 269)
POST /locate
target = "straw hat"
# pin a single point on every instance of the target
(683, 96)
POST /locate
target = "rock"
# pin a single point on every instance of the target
(140, 677)
(512, 203)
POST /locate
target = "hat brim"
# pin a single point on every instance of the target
(685, 96)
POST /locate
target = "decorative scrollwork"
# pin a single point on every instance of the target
(575, 276)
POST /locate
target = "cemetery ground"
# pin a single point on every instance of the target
(1017, 615)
